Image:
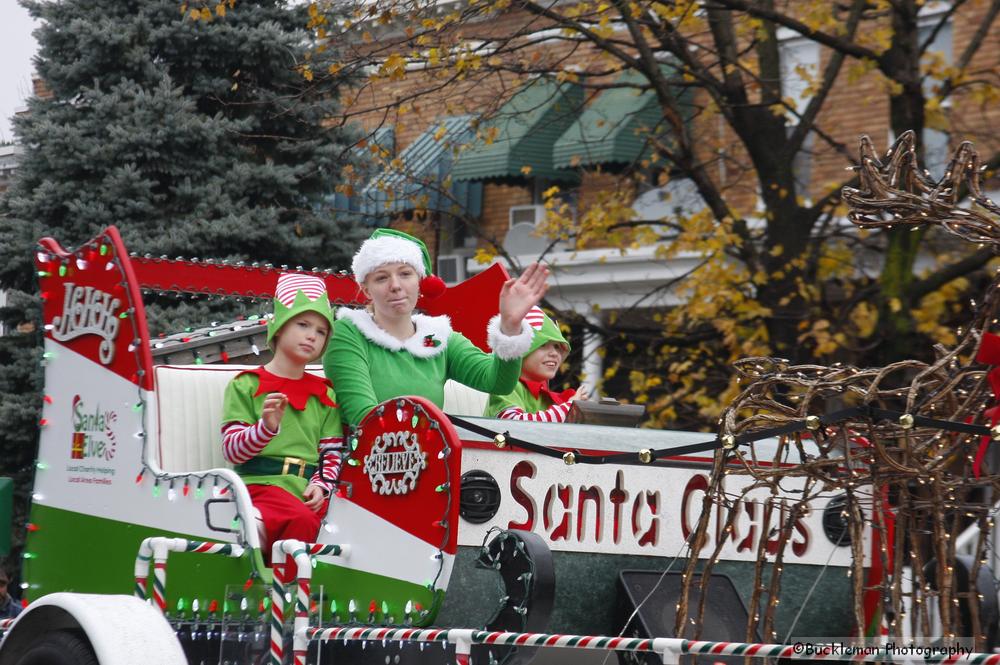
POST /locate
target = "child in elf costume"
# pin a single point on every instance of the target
(281, 428)
(388, 350)
(532, 399)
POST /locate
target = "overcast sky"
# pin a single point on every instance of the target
(16, 50)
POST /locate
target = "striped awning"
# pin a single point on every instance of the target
(420, 177)
(517, 142)
(613, 130)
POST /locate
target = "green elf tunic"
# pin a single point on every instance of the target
(310, 421)
(369, 366)
(531, 400)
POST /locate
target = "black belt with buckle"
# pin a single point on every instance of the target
(272, 466)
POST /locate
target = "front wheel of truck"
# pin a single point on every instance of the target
(61, 647)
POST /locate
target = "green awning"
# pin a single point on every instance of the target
(612, 130)
(420, 176)
(523, 133)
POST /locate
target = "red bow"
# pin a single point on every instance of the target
(298, 391)
(989, 354)
(536, 388)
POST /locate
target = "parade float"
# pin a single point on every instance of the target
(453, 537)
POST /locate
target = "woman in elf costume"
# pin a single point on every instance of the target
(281, 428)
(386, 350)
(532, 399)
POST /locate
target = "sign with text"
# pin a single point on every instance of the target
(625, 509)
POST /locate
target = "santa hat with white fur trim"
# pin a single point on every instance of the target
(392, 246)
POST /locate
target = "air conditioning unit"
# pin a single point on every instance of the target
(451, 268)
(532, 215)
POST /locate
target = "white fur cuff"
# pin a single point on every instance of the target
(506, 347)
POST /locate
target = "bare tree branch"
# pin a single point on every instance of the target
(973, 46)
(942, 276)
(835, 42)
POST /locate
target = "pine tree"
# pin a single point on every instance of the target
(196, 138)
(20, 407)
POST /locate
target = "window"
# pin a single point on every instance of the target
(936, 141)
(799, 67)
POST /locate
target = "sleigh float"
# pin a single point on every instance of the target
(141, 544)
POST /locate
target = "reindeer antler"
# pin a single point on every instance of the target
(899, 192)
(875, 435)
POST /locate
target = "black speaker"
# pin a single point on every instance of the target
(656, 593)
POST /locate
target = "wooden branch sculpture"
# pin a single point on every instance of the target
(927, 482)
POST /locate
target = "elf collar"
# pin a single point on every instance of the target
(536, 388)
(298, 391)
(430, 339)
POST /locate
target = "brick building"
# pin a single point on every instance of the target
(475, 153)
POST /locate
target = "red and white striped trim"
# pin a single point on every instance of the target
(331, 453)
(242, 441)
(289, 284)
(668, 648)
(554, 414)
(535, 317)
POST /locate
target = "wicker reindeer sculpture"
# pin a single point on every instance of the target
(902, 445)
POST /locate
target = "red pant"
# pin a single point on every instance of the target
(285, 515)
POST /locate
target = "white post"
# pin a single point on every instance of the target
(667, 648)
(593, 364)
(463, 645)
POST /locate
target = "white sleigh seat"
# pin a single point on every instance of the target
(461, 400)
(189, 412)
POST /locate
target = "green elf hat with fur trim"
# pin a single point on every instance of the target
(546, 330)
(294, 294)
(392, 246)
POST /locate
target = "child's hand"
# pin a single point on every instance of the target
(313, 497)
(582, 393)
(273, 410)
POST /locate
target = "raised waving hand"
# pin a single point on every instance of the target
(520, 294)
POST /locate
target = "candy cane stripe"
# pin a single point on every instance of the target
(658, 645)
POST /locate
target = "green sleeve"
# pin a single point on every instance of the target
(498, 403)
(346, 364)
(468, 365)
(238, 402)
(332, 425)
